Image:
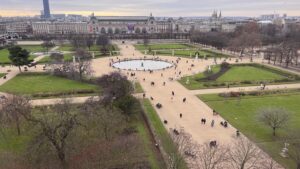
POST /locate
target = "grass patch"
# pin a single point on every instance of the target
(160, 130)
(2, 74)
(67, 58)
(42, 83)
(242, 114)
(145, 136)
(163, 46)
(4, 57)
(181, 50)
(69, 47)
(138, 88)
(192, 52)
(33, 48)
(240, 75)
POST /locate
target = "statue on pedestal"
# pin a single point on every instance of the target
(187, 81)
(285, 150)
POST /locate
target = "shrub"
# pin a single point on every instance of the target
(246, 82)
(225, 65)
(84, 91)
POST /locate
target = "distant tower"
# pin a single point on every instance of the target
(220, 15)
(47, 14)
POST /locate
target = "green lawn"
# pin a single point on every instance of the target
(2, 74)
(240, 75)
(186, 53)
(160, 130)
(33, 48)
(149, 147)
(4, 57)
(67, 57)
(36, 83)
(69, 47)
(243, 113)
(163, 46)
(138, 88)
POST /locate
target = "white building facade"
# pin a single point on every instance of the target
(133, 25)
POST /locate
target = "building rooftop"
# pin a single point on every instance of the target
(122, 18)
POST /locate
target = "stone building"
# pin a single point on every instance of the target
(134, 25)
(128, 25)
(19, 27)
(59, 28)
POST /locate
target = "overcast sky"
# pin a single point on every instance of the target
(157, 7)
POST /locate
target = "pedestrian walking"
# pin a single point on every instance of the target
(212, 123)
(237, 133)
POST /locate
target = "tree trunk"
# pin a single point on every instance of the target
(274, 131)
(18, 126)
(61, 156)
(20, 68)
(243, 165)
(62, 160)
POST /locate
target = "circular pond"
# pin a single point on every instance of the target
(142, 64)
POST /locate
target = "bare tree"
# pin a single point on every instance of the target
(83, 63)
(78, 41)
(244, 154)
(269, 164)
(115, 86)
(245, 41)
(105, 118)
(90, 41)
(216, 39)
(185, 149)
(103, 41)
(47, 45)
(55, 125)
(146, 40)
(13, 108)
(212, 157)
(56, 58)
(116, 153)
(275, 118)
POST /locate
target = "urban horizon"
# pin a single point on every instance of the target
(172, 8)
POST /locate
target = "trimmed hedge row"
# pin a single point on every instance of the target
(75, 92)
(258, 93)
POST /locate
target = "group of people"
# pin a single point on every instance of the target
(224, 124)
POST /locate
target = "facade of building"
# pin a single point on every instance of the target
(2, 28)
(39, 28)
(125, 25)
(133, 25)
(20, 28)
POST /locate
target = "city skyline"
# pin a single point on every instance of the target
(158, 8)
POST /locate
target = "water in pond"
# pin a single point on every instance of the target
(142, 65)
